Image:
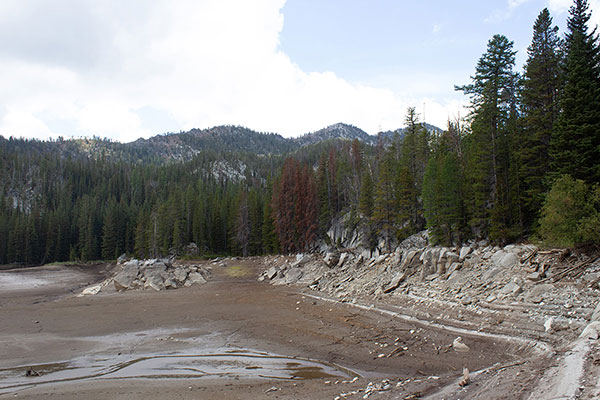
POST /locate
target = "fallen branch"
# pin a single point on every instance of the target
(562, 274)
(396, 351)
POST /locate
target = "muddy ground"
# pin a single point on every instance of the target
(235, 338)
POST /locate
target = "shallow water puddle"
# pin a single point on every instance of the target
(242, 364)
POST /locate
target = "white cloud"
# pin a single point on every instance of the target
(88, 68)
(500, 15)
(559, 6)
(516, 3)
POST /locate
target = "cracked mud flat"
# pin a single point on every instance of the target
(232, 338)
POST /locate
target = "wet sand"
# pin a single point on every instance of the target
(231, 338)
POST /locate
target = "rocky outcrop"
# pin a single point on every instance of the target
(477, 277)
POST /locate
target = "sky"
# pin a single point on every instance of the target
(138, 68)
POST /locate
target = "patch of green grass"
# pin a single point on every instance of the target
(237, 271)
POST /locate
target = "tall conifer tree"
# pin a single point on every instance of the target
(576, 140)
(492, 95)
(539, 104)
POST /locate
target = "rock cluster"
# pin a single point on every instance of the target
(158, 274)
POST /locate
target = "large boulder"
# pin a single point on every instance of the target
(180, 274)
(464, 252)
(591, 331)
(195, 277)
(171, 283)
(127, 277)
(395, 282)
(155, 271)
(293, 275)
(509, 260)
(155, 282)
(504, 259)
(271, 273)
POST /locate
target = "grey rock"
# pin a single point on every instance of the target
(459, 346)
(452, 257)
(171, 284)
(465, 301)
(512, 288)
(272, 273)
(596, 314)
(293, 275)
(534, 276)
(464, 252)
(591, 331)
(442, 254)
(195, 278)
(454, 267)
(456, 280)
(124, 279)
(504, 259)
(441, 268)
(122, 258)
(411, 257)
(497, 257)
(180, 274)
(536, 295)
(509, 260)
(395, 282)
(155, 282)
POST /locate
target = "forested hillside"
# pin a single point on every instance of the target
(524, 163)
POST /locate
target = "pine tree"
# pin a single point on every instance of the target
(493, 94)
(269, 234)
(539, 103)
(110, 234)
(414, 152)
(443, 194)
(323, 193)
(255, 215)
(365, 204)
(385, 208)
(141, 236)
(243, 225)
(575, 146)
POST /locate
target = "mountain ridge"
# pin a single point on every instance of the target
(185, 145)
